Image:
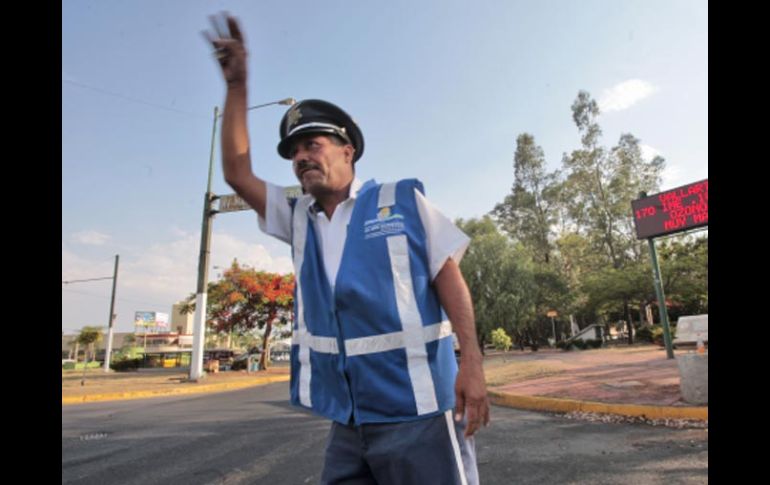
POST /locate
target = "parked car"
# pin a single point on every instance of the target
(241, 361)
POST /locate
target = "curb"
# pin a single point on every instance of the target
(121, 396)
(539, 403)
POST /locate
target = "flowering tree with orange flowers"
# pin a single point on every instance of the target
(245, 299)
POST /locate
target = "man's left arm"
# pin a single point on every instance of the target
(470, 387)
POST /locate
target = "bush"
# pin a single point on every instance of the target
(593, 343)
(644, 334)
(565, 345)
(653, 334)
(501, 340)
(125, 365)
(580, 344)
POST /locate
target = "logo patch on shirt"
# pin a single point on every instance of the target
(386, 224)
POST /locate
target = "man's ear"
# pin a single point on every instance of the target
(349, 152)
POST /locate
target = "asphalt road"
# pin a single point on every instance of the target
(254, 436)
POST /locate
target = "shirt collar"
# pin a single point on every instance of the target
(355, 187)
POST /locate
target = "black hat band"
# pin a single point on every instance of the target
(323, 126)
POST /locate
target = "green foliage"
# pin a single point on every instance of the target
(499, 277)
(123, 365)
(501, 340)
(90, 335)
(529, 212)
(564, 345)
(244, 300)
(593, 343)
(565, 240)
(644, 334)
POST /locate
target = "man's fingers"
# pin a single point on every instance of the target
(472, 413)
(218, 27)
(235, 31)
(209, 38)
(459, 408)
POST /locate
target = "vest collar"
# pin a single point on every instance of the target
(356, 187)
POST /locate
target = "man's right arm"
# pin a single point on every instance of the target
(236, 158)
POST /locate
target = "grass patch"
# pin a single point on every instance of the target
(501, 373)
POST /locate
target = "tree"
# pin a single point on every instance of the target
(129, 340)
(529, 212)
(600, 185)
(684, 268)
(245, 299)
(500, 280)
(88, 336)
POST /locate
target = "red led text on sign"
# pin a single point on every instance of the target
(672, 211)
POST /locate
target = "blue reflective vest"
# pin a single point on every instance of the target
(378, 349)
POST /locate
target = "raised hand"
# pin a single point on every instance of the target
(229, 50)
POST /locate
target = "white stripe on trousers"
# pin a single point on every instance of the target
(455, 446)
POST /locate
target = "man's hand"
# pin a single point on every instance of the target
(471, 397)
(228, 48)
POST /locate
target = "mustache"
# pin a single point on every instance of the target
(303, 165)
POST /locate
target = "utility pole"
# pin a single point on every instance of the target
(199, 323)
(114, 279)
(108, 351)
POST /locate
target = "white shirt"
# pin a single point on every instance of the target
(444, 239)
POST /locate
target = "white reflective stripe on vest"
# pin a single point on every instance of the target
(387, 197)
(394, 340)
(300, 221)
(326, 345)
(411, 322)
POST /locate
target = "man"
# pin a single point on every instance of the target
(378, 284)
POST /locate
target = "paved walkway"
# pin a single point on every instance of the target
(632, 381)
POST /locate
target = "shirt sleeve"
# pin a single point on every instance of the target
(445, 240)
(277, 221)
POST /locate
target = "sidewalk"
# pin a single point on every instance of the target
(630, 381)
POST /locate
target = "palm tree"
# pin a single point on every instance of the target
(89, 336)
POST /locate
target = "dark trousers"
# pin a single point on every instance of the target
(423, 452)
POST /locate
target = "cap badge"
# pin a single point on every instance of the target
(293, 116)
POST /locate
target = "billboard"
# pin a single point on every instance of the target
(150, 322)
(676, 210)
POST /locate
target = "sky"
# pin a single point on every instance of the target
(440, 89)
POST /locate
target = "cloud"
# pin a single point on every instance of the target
(91, 238)
(672, 176)
(624, 95)
(153, 278)
(171, 269)
(648, 152)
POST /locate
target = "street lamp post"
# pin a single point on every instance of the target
(199, 322)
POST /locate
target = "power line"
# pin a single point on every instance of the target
(90, 279)
(134, 100)
(118, 299)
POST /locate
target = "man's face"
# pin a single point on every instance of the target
(322, 166)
